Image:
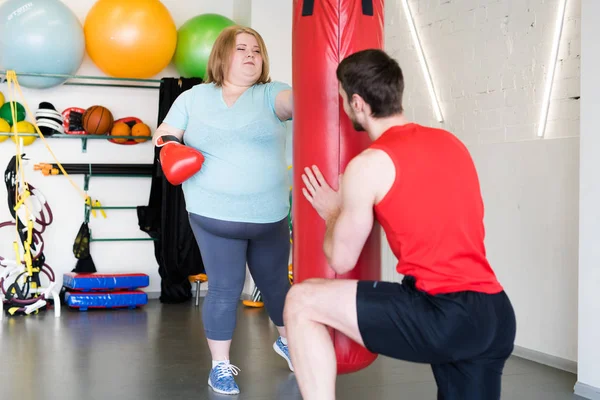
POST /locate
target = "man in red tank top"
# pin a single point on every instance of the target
(420, 184)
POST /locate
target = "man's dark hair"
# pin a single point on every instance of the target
(376, 77)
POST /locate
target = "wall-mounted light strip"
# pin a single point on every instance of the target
(560, 17)
(425, 68)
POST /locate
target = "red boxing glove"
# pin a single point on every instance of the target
(178, 162)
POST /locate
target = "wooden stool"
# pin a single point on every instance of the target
(198, 279)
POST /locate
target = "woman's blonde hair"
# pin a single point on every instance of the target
(220, 55)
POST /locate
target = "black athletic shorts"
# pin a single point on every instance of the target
(465, 336)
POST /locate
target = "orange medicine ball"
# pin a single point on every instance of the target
(120, 129)
(142, 130)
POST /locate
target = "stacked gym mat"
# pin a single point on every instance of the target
(96, 290)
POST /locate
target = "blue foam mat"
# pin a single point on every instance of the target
(103, 282)
(84, 301)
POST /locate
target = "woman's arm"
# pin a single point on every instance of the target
(284, 105)
(176, 119)
(166, 129)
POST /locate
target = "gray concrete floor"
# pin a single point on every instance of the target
(159, 352)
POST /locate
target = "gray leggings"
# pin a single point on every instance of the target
(226, 247)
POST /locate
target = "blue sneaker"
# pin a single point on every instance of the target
(283, 351)
(221, 378)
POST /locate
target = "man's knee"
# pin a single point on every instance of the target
(293, 301)
(298, 300)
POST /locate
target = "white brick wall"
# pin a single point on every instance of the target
(489, 60)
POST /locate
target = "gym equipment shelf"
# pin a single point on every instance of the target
(88, 207)
(83, 138)
(79, 80)
(73, 80)
(88, 210)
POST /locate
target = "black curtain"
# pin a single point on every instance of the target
(165, 217)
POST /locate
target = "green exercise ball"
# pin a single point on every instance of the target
(195, 40)
(6, 113)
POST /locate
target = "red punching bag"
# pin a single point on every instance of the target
(325, 32)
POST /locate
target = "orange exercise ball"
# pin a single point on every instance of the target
(130, 38)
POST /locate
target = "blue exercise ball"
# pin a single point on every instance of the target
(40, 36)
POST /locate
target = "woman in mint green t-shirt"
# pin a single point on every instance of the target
(239, 201)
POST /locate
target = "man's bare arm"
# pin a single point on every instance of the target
(366, 181)
(348, 230)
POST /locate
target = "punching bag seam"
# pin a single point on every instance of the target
(339, 114)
